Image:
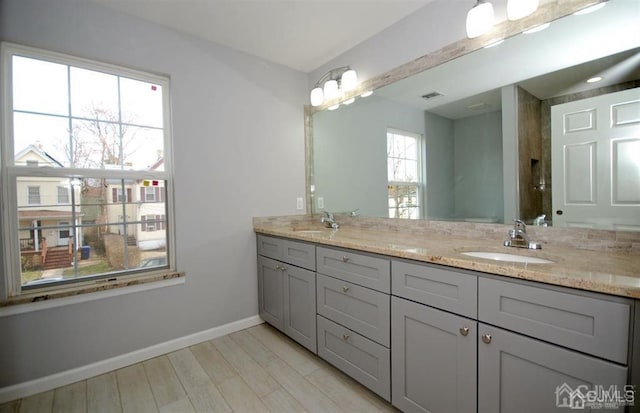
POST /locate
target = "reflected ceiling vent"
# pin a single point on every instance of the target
(479, 106)
(432, 95)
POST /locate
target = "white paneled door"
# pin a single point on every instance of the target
(595, 162)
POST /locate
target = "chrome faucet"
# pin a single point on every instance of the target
(518, 237)
(329, 221)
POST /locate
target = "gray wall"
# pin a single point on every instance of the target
(238, 152)
(350, 148)
(439, 157)
(478, 167)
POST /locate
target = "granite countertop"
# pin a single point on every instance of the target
(614, 272)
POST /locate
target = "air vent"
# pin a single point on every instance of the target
(432, 95)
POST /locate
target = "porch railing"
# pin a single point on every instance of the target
(27, 244)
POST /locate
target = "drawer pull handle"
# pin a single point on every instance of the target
(346, 336)
(345, 258)
(345, 289)
(464, 331)
(486, 338)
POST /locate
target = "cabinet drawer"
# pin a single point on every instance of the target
(585, 323)
(361, 309)
(451, 290)
(292, 252)
(361, 269)
(357, 356)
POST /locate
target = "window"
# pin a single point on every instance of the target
(82, 137)
(34, 195)
(150, 194)
(152, 223)
(63, 195)
(404, 185)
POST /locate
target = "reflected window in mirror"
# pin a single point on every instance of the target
(404, 185)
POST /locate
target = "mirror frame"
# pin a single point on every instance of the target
(547, 12)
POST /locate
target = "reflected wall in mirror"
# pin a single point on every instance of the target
(484, 122)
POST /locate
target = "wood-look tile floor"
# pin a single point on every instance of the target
(253, 370)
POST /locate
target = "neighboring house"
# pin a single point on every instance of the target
(137, 209)
(45, 205)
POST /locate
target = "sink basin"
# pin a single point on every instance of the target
(501, 256)
(311, 231)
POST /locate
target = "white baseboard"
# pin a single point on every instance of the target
(53, 381)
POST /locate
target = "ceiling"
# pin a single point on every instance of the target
(300, 34)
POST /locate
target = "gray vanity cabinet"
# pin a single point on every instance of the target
(354, 308)
(286, 291)
(433, 359)
(518, 374)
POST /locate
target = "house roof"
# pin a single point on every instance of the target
(41, 153)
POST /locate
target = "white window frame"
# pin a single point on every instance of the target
(149, 194)
(65, 195)
(419, 183)
(10, 284)
(37, 194)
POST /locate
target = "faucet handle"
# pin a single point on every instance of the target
(354, 213)
(329, 215)
(519, 224)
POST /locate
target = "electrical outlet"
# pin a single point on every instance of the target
(320, 202)
(299, 203)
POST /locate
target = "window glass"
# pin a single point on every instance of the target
(404, 181)
(97, 206)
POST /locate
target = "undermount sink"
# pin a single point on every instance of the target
(311, 231)
(501, 256)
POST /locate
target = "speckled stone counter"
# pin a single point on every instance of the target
(601, 261)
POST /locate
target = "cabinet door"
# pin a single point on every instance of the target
(300, 305)
(433, 359)
(518, 374)
(271, 292)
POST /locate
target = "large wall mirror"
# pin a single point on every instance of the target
(478, 138)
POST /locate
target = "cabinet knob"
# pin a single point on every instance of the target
(283, 268)
(346, 336)
(278, 268)
(345, 289)
(464, 331)
(345, 258)
(486, 338)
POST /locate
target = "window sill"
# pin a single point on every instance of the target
(45, 299)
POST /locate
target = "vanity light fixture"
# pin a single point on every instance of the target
(594, 79)
(494, 43)
(336, 82)
(537, 28)
(479, 19)
(591, 9)
(518, 9)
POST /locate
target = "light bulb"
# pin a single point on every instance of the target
(366, 94)
(479, 19)
(349, 101)
(331, 89)
(317, 96)
(590, 9)
(518, 9)
(349, 80)
(334, 107)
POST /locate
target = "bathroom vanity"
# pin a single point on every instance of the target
(408, 315)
